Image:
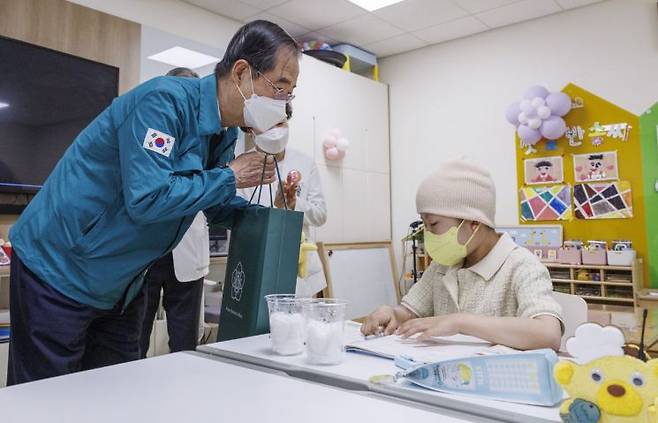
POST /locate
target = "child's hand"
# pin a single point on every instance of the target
(384, 317)
(430, 326)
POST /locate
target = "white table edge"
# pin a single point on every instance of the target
(460, 405)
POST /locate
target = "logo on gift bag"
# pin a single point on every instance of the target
(237, 282)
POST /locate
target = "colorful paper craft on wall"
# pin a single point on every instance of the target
(546, 203)
(595, 167)
(544, 170)
(614, 130)
(612, 200)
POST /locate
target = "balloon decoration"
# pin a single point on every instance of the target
(539, 115)
(335, 145)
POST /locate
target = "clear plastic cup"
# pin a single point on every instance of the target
(325, 321)
(286, 323)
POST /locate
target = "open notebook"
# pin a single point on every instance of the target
(441, 348)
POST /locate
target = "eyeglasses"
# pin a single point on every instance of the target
(279, 93)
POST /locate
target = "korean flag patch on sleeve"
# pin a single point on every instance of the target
(159, 142)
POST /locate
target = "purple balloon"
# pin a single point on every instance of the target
(512, 113)
(553, 128)
(535, 91)
(528, 135)
(559, 103)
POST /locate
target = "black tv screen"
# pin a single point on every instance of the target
(46, 99)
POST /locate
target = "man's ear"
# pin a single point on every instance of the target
(564, 372)
(239, 71)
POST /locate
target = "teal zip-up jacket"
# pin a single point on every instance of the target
(127, 189)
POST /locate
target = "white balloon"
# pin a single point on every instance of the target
(537, 102)
(523, 118)
(543, 112)
(526, 106)
(534, 123)
(342, 144)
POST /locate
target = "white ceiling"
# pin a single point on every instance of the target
(400, 27)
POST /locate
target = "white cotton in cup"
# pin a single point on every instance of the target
(287, 333)
(324, 342)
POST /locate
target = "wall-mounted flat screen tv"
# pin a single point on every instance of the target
(46, 98)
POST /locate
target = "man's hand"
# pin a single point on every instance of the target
(430, 326)
(248, 169)
(290, 191)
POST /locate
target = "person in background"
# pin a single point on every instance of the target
(179, 275)
(480, 283)
(302, 189)
(124, 194)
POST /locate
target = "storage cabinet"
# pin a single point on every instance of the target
(606, 285)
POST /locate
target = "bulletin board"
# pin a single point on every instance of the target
(649, 136)
(624, 214)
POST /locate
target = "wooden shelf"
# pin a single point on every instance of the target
(565, 276)
(586, 266)
(628, 284)
(620, 299)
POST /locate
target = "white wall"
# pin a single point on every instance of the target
(357, 189)
(449, 100)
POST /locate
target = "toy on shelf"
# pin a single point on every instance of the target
(5, 253)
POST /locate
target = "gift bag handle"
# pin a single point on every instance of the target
(262, 180)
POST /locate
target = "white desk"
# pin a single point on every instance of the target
(189, 387)
(356, 370)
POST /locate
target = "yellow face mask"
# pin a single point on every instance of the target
(445, 249)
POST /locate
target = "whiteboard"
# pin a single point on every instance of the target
(362, 274)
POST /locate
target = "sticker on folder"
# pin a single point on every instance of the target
(612, 200)
(546, 203)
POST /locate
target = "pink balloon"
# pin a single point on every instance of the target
(535, 91)
(559, 103)
(512, 113)
(553, 128)
(528, 135)
(332, 153)
(329, 141)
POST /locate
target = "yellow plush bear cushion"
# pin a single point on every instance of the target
(622, 387)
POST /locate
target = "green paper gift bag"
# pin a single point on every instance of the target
(263, 259)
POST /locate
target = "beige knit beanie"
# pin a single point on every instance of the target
(459, 189)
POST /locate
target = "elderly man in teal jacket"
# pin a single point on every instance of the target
(123, 195)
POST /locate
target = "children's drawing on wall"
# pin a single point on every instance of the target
(545, 203)
(593, 167)
(544, 170)
(611, 200)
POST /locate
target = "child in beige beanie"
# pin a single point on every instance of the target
(480, 283)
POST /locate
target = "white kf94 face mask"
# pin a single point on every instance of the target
(260, 112)
(272, 141)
